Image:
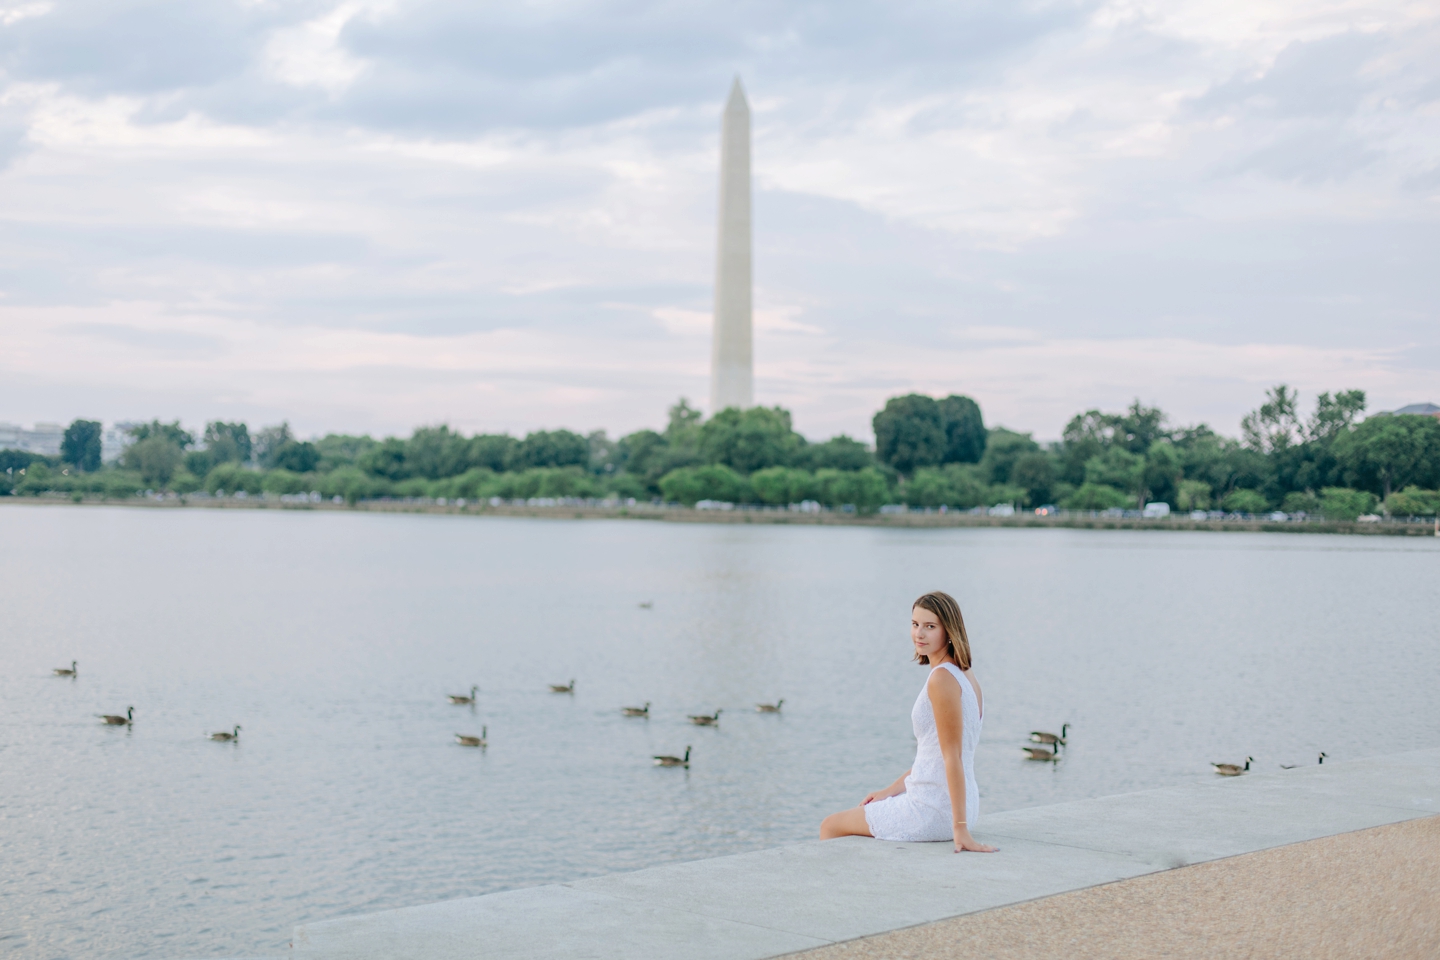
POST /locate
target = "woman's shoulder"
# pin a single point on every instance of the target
(943, 679)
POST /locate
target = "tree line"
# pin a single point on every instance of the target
(927, 453)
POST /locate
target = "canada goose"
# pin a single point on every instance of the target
(646, 604)
(224, 737)
(667, 761)
(701, 720)
(62, 672)
(770, 707)
(1233, 769)
(460, 698)
(560, 688)
(1040, 753)
(637, 711)
(468, 741)
(116, 721)
(1040, 736)
(1323, 755)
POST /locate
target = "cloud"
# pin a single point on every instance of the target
(329, 198)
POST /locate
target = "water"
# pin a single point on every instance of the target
(333, 638)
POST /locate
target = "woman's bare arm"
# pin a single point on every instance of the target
(894, 790)
(944, 692)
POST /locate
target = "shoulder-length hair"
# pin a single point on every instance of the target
(948, 611)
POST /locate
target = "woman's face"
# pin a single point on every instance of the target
(927, 634)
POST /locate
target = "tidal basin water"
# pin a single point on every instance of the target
(333, 638)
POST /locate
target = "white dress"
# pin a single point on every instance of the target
(922, 812)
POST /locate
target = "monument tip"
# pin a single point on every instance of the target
(737, 95)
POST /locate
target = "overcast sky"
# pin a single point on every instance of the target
(365, 216)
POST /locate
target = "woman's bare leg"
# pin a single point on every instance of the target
(846, 823)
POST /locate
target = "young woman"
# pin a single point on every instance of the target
(937, 798)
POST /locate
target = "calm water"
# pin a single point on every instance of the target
(333, 638)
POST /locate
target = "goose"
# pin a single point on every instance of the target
(637, 711)
(116, 721)
(668, 761)
(1040, 753)
(561, 688)
(1040, 736)
(1323, 755)
(1233, 769)
(770, 707)
(224, 737)
(468, 741)
(72, 672)
(460, 698)
(646, 604)
(701, 720)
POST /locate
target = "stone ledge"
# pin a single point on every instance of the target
(772, 902)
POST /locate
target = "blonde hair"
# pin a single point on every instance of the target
(957, 642)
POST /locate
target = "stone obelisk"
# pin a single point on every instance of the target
(731, 376)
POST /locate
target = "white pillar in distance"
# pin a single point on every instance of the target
(731, 364)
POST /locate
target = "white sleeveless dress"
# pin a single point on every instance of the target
(922, 812)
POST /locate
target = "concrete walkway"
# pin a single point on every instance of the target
(814, 894)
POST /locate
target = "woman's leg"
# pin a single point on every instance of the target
(846, 823)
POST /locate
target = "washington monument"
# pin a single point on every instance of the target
(731, 366)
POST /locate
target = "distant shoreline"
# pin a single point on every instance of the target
(918, 520)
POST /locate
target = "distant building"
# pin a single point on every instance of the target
(44, 439)
(1422, 409)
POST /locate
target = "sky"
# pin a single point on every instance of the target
(369, 215)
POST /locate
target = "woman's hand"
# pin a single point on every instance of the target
(874, 795)
(963, 842)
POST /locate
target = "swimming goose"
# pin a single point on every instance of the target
(637, 711)
(1040, 736)
(1323, 755)
(460, 698)
(62, 672)
(224, 737)
(646, 604)
(468, 741)
(1040, 753)
(701, 720)
(116, 721)
(1233, 769)
(770, 707)
(560, 688)
(667, 761)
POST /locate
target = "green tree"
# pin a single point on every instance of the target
(341, 450)
(1097, 496)
(782, 485)
(1035, 473)
(749, 440)
(156, 457)
(965, 435)
(227, 442)
(713, 481)
(1343, 503)
(1193, 495)
(1275, 425)
(604, 453)
(1334, 415)
(910, 433)
(1245, 501)
(493, 451)
(168, 431)
(1164, 466)
(1389, 452)
(1120, 469)
(296, 456)
(386, 459)
(550, 448)
(683, 425)
(81, 445)
(1413, 502)
(1003, 449)
(837, 453)
(269, 441)
(865, 490)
